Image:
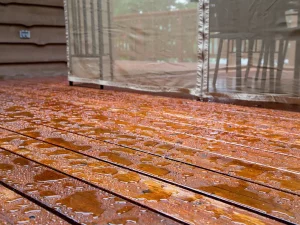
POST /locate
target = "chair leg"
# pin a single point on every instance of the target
(283, 46)
(297, 60)
(260, 60)
(265, 67)
(266, 61)
(218, 61)
(238, 63)
(280, 60)
(227, 59)
(296, 82)
(250, 58)
(71, 83)
(272, 65)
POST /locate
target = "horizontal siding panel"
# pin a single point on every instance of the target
(31, 15)
(56, 3)
(39, 35)
(11, 53)
(32, 70)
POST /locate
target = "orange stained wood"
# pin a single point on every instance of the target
(154, 160)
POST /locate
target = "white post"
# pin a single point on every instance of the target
(203, 48)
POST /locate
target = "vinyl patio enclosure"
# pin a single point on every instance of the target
(244, 49)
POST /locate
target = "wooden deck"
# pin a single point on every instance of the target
(75, 155)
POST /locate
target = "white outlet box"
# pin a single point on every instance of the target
(25, 34)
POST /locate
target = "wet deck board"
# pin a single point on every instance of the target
(176, 160)
(16, 209)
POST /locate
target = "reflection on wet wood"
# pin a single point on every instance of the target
(109, 158)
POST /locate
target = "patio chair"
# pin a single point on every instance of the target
(273, 31)
(230, 22)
